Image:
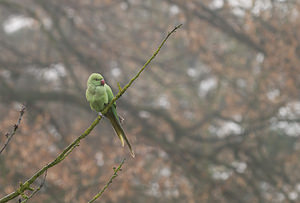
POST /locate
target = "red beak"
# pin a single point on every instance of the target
(102, 82)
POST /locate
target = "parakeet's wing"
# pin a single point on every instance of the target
(88, 95)
(111, 116)
(114, 119)
(109, 93)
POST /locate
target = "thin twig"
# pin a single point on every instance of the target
(36, 190)
(26, 185)
(122, 91)
(115, 174)
(13, 131)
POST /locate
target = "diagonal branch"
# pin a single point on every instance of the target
(122, 91)
(115, 174)
(27, 184)
(16, 126)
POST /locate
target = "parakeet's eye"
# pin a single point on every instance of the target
(97, 79)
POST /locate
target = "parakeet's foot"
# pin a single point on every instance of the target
(100, 114)
(121, 119)
(132, 153)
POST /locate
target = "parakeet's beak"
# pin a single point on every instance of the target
(102, 82)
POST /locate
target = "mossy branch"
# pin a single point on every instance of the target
(115, 174)
(27, 184)
(36, 190)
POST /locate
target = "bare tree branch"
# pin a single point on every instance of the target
(16, 126)
(115, 174)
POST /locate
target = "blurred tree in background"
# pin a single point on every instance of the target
(214, 119)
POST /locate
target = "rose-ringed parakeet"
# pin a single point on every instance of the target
(99, 95)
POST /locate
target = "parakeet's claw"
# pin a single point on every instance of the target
(100, 114)
(121, 119)
(132, 153)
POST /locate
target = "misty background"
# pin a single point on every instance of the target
(214, 118)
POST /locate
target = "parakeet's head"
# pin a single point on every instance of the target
(96, 79)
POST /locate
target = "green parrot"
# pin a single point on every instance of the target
(99, 94)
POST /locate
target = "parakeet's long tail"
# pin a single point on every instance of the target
(114, 119)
